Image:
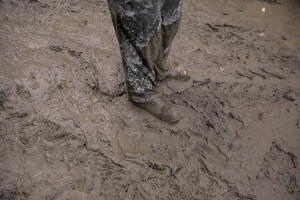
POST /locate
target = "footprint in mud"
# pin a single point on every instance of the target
(279, 167)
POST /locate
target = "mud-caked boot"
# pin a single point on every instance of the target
(156, 106)
(178, 73)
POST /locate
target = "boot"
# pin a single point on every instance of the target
(157, 107)
(178, 73)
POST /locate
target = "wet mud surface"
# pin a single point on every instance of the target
(68, 132)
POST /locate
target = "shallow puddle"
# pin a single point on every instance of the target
(283, 17)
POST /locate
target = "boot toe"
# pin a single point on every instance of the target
(170, 113)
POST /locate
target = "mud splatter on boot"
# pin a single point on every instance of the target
(156, 106)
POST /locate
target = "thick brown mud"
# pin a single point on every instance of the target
(68, 132)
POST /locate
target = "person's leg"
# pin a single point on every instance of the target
(164, 66)
(136, 24)
(156, 53)
(133, 32)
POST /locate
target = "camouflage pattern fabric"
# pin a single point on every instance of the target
(141, 27)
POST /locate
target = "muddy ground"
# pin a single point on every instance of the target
(68, 132)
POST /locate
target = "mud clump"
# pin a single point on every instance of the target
(271, 1)
(280, 167)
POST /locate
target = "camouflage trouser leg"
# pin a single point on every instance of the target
(145, 30)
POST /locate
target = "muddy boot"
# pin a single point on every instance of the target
(156, 106)
(178, 73)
